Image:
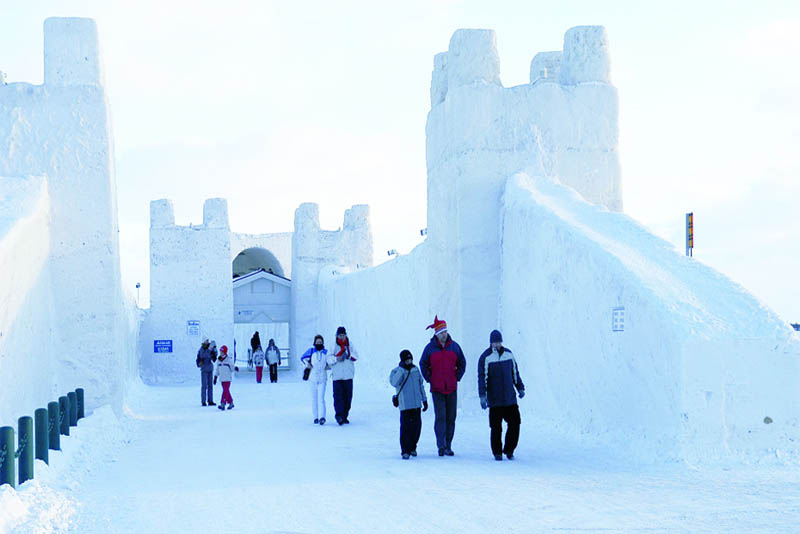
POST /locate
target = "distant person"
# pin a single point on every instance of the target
(273, 360)
(205, 362)
(224, 372)
(410, 389)
(258, 361)
(498, 375)
(342, 372)
(255, 342)
(443, 364)
(316, 372)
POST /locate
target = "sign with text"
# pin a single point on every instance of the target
(618, 319)
(162, 345)
(193, 328)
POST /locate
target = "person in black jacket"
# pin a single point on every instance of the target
(498, 376)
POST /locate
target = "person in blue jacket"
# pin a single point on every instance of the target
(498, 376)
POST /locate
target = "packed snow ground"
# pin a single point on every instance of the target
(173, 466)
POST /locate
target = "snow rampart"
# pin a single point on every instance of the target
(190, 280)
(191, 271)
(385, 309)
(692, 372)
(564, 123)
(314, 250)
(74, 323)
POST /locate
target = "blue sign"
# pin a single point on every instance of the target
(162, 345)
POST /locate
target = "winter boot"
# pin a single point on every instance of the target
(406, 456)
(321, 420)
(230, 406)
(204, 404)
(414, 453)
(316, 421)
(212, 403)
(449, 452)
(340, 420)
(498, 457)
(510, 455)
(221, 406)
(441, 452)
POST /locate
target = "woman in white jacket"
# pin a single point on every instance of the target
(316, 369)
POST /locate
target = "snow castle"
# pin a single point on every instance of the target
(622, 341)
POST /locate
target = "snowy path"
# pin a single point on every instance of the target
(264, 467)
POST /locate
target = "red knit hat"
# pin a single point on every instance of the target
(438, 326)
(224, 348)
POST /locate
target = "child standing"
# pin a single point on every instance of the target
(258, 361)
(316, 372)
(224, 372)
(407, 380)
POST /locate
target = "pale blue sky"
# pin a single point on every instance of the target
(271, 104)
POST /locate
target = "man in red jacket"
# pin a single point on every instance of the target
(443, 364)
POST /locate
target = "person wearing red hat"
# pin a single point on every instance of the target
(224, 372)
(443, 364)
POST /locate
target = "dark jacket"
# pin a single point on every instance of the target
(443, 366)
(498, 375)
(205, 359)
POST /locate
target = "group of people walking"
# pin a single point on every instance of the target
(272, 356)
(442, 365)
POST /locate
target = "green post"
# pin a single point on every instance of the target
(63, 415)
(79, 395)
(25, 449)
(7, 456)
(53, 426)
(73, 408)
(42, 435)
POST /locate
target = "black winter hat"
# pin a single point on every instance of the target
(405, 354)
(341, 330)
(495, 337)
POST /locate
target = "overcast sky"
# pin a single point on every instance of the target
(270, 104)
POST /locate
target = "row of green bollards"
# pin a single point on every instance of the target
(50, 424)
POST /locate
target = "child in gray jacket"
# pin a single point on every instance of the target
(408, 382)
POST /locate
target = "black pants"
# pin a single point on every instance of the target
(273, 372)
(410, 429)
(511, 416)
(342, 397)
(444, 425)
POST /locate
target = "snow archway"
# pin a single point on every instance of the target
(262, 300)
(255, 258)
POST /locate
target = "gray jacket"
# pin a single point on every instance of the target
(413, 393)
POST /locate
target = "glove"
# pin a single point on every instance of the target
(215, 380)
(236, 368)
(424, 405)
(521, 393)
(484, 403)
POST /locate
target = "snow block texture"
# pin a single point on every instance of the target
(692, 372)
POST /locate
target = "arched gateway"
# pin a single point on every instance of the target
(262, 299)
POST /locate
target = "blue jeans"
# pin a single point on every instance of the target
(206, 386)
(444, 425)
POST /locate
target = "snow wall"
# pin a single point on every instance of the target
(691, 368)
(65, 322)
(700, 370)
(191, 280)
